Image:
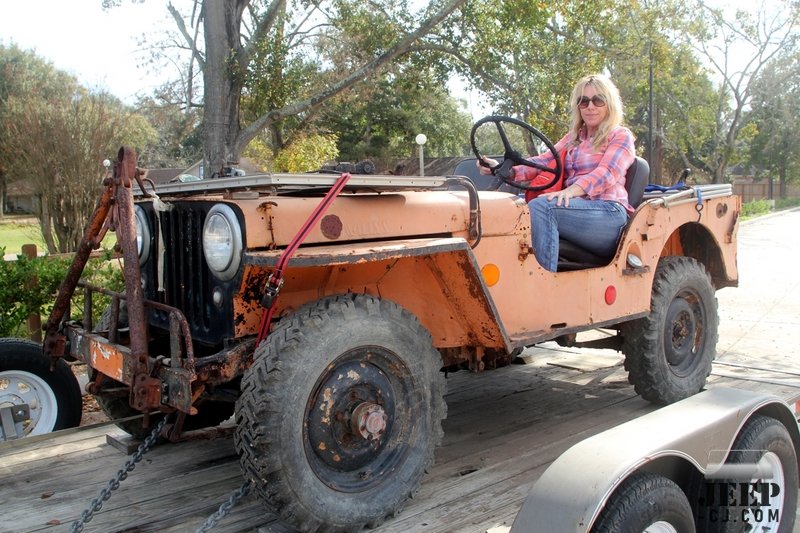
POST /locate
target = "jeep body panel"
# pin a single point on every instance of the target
(368, 241)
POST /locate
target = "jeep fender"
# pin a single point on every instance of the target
(436, 279)
(574, 489)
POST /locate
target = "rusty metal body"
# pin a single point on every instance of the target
(459, 261)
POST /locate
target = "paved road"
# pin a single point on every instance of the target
(762, 315)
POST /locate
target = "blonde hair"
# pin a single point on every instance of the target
(605, 87)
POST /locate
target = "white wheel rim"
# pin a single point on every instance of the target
(765, 518)
(660, 527)
(19, 387)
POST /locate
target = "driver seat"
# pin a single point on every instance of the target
(573, 257)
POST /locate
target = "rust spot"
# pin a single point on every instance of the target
(331, 226)
(322, 447)
(326, 406)
(352, 374)
(337, 458)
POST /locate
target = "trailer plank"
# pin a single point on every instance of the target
(504, 427)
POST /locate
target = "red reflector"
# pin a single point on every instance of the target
(611, 294)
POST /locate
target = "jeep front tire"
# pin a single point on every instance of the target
(340, 413)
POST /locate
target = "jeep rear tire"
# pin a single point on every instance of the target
(668, 353)
(340, 413)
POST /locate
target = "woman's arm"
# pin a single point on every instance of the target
(525, 173)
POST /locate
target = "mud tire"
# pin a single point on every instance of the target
(668, 353)
(22, 362)
(645, 499)
(326, 358)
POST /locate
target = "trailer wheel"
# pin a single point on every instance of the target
(646, 502)
(340, 413)
(772, 504)
(668, 353)
(54, 397)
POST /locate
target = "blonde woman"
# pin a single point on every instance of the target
(592, 209)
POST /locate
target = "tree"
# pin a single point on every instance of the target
(23, 73)
(379, 121)
(775, 147)
(283, 40)
(738, 50)
(56, 136)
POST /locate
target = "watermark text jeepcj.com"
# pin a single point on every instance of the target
(740, 492)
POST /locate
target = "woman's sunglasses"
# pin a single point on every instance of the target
(598, 100)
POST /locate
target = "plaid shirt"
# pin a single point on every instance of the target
(601, 174)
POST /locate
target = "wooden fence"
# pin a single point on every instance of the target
(751, 190)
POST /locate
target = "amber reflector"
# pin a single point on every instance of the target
(491, 274)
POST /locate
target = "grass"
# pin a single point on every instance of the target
(15, 232)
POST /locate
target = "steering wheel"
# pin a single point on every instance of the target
(512, 157)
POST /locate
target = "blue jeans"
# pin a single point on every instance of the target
(594, 225)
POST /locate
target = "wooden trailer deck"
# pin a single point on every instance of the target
(503, 427)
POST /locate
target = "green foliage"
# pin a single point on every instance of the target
(56, 135)
(306, 153)
(29, 286)
(380, 121)
(755, 208)
(786, 203)
(775, 146)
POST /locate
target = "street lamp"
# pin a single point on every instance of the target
(421, 140)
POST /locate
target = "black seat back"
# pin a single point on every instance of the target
(636, 179)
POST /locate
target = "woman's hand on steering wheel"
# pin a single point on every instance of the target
(511, 157)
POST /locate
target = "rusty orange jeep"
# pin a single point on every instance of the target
(322, 310)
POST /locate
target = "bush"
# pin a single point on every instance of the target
(785, 203)
(29, 286)
(755, 208)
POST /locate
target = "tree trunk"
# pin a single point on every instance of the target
(2, 195)
(223, 85)
(783, 181)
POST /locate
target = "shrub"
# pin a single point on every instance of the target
(755, 208)
(785, 203)
(29, 286)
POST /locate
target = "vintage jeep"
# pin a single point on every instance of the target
(326, 309)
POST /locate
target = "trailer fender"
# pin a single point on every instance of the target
(701, 429)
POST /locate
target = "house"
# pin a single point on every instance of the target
(20, 198)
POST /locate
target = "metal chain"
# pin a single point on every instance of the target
(226, 507)
(113, 484)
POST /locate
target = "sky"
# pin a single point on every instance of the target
(98, 47)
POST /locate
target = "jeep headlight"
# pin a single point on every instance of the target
(142, 234)
(222, 242)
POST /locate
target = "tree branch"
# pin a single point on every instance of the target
(368, 69)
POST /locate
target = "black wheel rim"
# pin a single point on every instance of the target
(365, 380)
(684, 333)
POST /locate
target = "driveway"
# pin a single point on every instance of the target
(762, 316)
